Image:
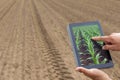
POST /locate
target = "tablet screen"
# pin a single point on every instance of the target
(90, 52)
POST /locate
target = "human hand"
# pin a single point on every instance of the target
(112, 42)
(94, 74)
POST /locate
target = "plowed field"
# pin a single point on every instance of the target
(34, 43)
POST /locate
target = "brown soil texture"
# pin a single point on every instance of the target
(34, 43)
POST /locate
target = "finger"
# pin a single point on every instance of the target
(109, 47)
(83, 70)
(115, 34)
(112, 47)
(80, 69)
(101, 38)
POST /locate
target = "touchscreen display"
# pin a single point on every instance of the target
(90, 52)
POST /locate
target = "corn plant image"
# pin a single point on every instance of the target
(90, 51)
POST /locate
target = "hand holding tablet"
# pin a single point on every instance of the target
(88, 52)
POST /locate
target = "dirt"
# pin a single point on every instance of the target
(34, 43)
(86, 58)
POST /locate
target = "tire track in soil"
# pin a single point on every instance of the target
(52, 56)
(6, 10)
(55, 21)
(41, 68)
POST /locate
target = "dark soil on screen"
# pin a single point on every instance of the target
(85, 58)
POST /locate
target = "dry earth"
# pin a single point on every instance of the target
(34, 43)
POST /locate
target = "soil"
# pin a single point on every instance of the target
(34, 42)
(85, 55)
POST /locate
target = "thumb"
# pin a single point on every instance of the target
(83, 70)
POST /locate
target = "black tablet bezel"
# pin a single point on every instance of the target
(107, 65)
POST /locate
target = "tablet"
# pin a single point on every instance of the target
(88, 53)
